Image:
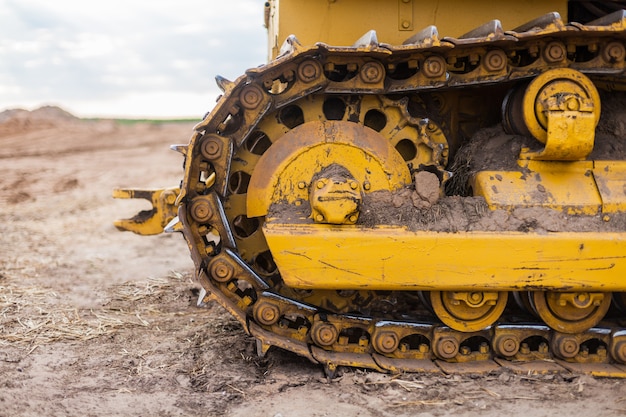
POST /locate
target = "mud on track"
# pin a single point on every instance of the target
(96, 322)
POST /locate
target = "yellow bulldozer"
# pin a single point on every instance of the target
(418, 186)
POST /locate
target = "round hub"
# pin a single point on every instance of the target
(266, 313)
(468, 311)
(310, 149)
(447, 348)
(565, 346)
(386, 342)
(324, 334)
(525, 109)
(507, 345)
(571, 312)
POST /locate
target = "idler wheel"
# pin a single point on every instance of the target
(524, 108)
(468, 311)
(571, 312)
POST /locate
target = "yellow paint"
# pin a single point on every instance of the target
(562, 90)
(285, 171)
(610, 178)
(570, 137)
(580, 187)
(149, 222)
(566, 186)
(342, 22)
(468, 311)
(561, 108)
(393, 258)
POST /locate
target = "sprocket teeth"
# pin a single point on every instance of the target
(427, 37)
(224, 84)
(290, 46)
(175, 225)
(180, 149)
(492, 30)
(616, 19)
(550, 22)
(368, 40)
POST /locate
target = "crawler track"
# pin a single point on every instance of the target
(426, 80)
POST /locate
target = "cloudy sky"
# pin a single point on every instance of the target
(131, 58)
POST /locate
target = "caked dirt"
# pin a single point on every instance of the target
(96, 322)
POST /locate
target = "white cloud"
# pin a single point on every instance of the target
(103, 57)
(88, 45)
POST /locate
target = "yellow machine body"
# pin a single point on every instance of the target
(393, 258)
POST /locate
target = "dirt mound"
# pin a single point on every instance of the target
(17, 120)
(92, 321)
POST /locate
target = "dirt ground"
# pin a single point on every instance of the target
(96, 322)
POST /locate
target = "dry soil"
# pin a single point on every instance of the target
(95, 322)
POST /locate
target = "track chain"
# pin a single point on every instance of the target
(279, 316)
